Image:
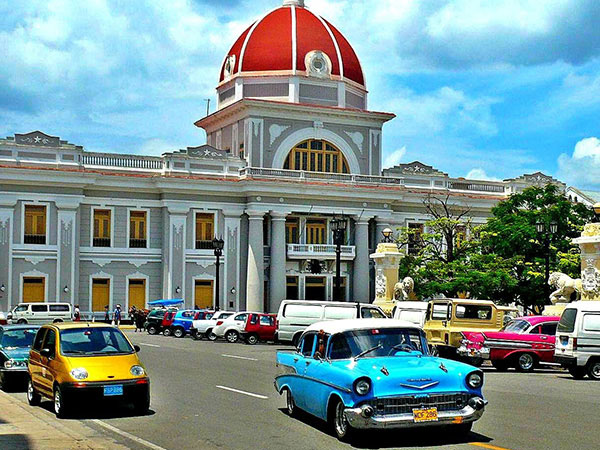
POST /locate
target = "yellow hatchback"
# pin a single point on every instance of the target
(85, 362)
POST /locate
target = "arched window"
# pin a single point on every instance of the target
(316, 156)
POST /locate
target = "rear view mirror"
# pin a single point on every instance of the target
(45, 352)
(137, 348)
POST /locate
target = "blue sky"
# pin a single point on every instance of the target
(487, 89)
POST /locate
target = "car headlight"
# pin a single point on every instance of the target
(475, 380)
(79, 373)
(137, 371)
(362, 386)
(9, 363)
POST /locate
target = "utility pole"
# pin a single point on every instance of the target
(207, 100)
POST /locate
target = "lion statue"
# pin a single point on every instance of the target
(565, 286)
(405, 290)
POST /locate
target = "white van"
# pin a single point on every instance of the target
(414, 312)
(577, 345)
(40, 313)
(295, 315)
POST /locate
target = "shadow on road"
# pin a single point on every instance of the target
(422, 437)
(114, 411)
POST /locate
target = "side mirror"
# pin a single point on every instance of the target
(137, 348)
(45, 352)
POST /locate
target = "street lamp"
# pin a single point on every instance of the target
(217, 245)
(387, 235)
(338, 226)
(546, 230)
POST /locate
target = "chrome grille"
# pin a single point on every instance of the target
(405, 404)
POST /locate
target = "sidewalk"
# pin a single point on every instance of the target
(23, 427)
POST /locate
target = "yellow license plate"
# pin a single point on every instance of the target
(425, 415)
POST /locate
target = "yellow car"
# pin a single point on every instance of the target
(85, 362)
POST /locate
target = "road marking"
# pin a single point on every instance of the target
(149, 345)
(488, 446)
(128, 435)
(240, 357)
(242, 392)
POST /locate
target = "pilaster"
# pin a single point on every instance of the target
(256, 270)
(361, 261)
(277, 280)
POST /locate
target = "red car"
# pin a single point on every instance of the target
(167, 322)
(523, 343)
(259, 327)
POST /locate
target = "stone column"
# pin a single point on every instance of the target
(231, 275)
(65, 264)
(256, 265)
(277, 281)
(174, 253)
(589, 243)
(6, 240)
(361, 261)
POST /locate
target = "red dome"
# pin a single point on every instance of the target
(279, 42)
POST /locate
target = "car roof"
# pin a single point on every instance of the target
(325, 302)
(75, 325)
(464, 300)
(589, 305)
(339, 326)
(534, 320)
(18, 327)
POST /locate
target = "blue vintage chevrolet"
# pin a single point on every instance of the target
(15, 343)
(377, 373)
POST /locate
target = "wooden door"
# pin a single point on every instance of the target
(203, 293)
(137, 294)
(315, 232)
(100, 294)
(34, 289)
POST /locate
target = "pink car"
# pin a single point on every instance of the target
(523, 343)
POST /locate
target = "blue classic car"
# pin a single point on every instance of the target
(15, 342)
(183, 320)
(377, 373)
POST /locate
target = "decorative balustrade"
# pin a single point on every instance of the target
(319, 251)
(479, 187)
(124, 161)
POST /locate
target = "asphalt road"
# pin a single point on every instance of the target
(197, 403)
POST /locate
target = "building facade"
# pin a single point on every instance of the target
(291, 146)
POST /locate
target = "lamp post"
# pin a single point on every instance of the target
(217, 245)
(338, 226)
(546, 230)
(387, 235)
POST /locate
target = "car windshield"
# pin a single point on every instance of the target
(516, 326)
(18, 338)
(376, 342)
(93, 341)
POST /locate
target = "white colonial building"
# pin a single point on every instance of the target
(291, 146)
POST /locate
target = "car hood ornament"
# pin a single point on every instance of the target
(419, 386)
(443, 367)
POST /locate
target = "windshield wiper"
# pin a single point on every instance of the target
(404, 348)
(361, 354)
(77, 352)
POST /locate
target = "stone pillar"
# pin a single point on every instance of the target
(387, 260)
(277, 281)
(174, 253)
(256, 270)
(6, 240)
(231, 274)
(589, 243)
(66, 262)
(361, 261)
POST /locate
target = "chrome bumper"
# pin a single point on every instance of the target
(483, 352)
(360, 419)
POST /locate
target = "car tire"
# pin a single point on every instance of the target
(525, 362)
(252, 339)
(210, 335)
(500, 366)
(195, 335)
(290, 405)
(340, 426)
(577, 372)
(57, 321)
(21, 321)
(33, 398)
(60, 406)
(474, 361)
(232, 336)
(167, 332)
(152, 329)
(179, 332)
(593, 370)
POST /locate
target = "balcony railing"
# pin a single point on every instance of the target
(319, 251)
(481, 187)
(204, 245)
(137, 243)
(101, 242)
(124, 161)
(39, 239)
(319, 176)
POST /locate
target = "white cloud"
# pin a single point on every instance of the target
(588, 147)
(479, 174)
(582, 167)
(394, 158)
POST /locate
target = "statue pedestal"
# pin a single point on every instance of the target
(589, 243)
(387, 260)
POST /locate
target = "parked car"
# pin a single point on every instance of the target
(259, 327)
(89, 362)
(15, 343)
(413, 312)
(523, 343)
(156, 318)
(231, 327)
(40, 313)
(183, 320)
(3, 320)
(578, 339)
(167, 321)
(204, 327)
(295, 315)
(377, 373)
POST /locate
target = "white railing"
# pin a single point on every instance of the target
(122, 161)
(479, 187)
(324, 251)
(324, 176)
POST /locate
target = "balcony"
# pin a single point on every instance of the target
(39, 239)
(137, 243)
(204, 245)
(319, 251)
(101, 242)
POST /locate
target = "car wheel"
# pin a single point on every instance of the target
(477, 362)
(210, 335)
(252, 339)
(342, 429)
(33, 398)
(21, 321)
(142, 405)
(57, 321)
(577, 372)
(232, 336)
(195, 335)
(525, 362)
(290, 404)
(179, 332)
(167, 332)
(60, 406)
(151, 329)
(500, 366)
(594, 370)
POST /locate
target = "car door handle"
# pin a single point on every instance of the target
(295, 359)
(308, 363)
(544, 337)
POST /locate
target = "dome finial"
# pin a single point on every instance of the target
(299, 3)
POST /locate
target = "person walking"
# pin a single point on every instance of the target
(117, 315)
(140, 318)
(106, 314)
(77, 314)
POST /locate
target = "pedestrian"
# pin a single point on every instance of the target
(106, 314)
(117, 315)
(77, 314)
(140, 318)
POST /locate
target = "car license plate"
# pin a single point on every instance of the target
(114, 389)
(425, 415)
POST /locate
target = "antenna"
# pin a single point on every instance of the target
(207, 100)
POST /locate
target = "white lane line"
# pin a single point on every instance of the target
(149, 345)
(127, 435)
(240, 357)
(242, 392)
